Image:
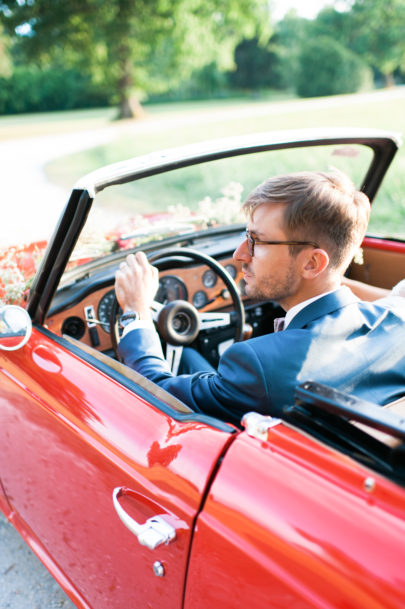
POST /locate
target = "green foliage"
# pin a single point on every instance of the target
(288, 39)
(379, 33)
(328, 68)
(337, 25)
(122, 51)
(30, 89)
(5, 58)
(373, 29)
(208, 82)
(256, 66)
(147, 45)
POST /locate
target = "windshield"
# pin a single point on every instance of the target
(188, 200)
(198, 197)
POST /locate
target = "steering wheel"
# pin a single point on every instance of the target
(179, 322)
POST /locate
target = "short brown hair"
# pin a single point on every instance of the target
(321, 207)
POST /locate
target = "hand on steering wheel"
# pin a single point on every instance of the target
(179, 322)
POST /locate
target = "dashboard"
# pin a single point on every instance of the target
(197, 284)
(81, 308)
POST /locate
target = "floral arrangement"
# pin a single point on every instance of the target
(18, 266)
(224, 210)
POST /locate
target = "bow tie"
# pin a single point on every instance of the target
(279, 324)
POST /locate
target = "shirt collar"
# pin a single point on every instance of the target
(291, 313)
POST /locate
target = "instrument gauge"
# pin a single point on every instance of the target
(200, 299)
(171, 288)
(242, 287)
(231, 270)
(209, 278)
(104, 310)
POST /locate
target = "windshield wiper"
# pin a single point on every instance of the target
(367, 432)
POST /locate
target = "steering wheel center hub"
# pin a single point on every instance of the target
(178, 323)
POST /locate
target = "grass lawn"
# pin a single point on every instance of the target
(175, 124)
(50, 123)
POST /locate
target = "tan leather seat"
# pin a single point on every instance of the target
(398, 407)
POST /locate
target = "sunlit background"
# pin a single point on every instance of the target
(304, 8)
(181, 72)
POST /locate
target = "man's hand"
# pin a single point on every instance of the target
(136, 283)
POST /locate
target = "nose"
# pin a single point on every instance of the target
(242, 253)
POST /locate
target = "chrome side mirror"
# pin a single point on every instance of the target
(15, 327)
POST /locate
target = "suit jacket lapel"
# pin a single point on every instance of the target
(323, 306)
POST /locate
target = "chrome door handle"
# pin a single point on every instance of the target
(152, 533)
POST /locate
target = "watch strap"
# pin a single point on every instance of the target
(128, 317)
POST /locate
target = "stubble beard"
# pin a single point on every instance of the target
(272, 288)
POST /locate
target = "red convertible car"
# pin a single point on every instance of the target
(127, 496)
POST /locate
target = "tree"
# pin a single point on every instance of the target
(290, 35)
(256, 66)
(133, 45)
(5, 59)
(379, 27)
(336, 24)
(328, 68)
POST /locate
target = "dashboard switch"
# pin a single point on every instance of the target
(93, 332)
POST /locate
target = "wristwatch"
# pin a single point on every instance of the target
(128, 317)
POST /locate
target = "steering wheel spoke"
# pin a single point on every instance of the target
(155, 308)
(173, 357)
(214, 320)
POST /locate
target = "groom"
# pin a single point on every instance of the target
(303, 231)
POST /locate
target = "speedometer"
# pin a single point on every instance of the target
(171, 288)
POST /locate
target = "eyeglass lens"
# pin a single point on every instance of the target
(250, 243)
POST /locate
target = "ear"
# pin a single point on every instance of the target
(315, 262)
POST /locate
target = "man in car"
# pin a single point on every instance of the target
(303, 231)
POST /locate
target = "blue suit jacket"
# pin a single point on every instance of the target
(354, 346)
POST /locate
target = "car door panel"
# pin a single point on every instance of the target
(292, 523)
(71, 434)
(383, 263)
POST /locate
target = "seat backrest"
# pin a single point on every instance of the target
(398, 406)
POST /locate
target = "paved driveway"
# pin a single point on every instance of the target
(30, 204)
(24, 581)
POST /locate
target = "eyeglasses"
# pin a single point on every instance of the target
(252, 241)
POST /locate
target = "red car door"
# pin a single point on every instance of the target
(289, 522)
(70, 435)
